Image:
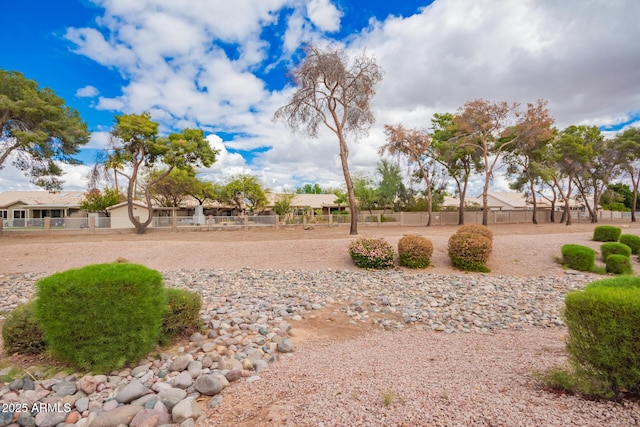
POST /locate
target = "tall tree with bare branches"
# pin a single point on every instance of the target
(336, 92)
(413, 144)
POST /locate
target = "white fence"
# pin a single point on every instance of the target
(106, 225)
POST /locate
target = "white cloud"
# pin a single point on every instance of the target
(324, 15)
(197, 66)
(74, 177)
(99, 140)
(87, 92)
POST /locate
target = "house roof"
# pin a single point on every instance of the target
(135, 202)
(42, 199)
(313, 201)
(450, 201)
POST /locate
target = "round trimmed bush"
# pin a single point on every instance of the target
(181, 315)
(610, 248)
(578, 257)
(483, 230)
(632, 241)
(619, 264)
(21, 332)
(102, 316)
(606, 233)
(372, 253)
(604, 334)
(415, 251)
(469, 252)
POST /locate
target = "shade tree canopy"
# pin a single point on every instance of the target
(37, 130)
(135, 143)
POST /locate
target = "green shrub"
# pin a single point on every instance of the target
(632, 282)
(21, 332)
(566, 379)
(632, 241)
(476, 229)
(415, 251)
(606, 233)
(619, 264)
(610, 248)
(101, 316)
(469, 252)
(578, 257)
(181, 315)
(604, 335)
(372, 253)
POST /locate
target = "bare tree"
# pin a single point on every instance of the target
(335, 92)
(413, 144)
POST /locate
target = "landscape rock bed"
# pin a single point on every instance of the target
(249, 315)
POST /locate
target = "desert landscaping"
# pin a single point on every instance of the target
(397, 347)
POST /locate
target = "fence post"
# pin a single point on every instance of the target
(401, 218)
(92, 224)
(330, 220)
(47, 225)
(277, 221)
(174, 221)
(246, 222)
(379, 219)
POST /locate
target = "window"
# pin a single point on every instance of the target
(19, 214)
(4, 214)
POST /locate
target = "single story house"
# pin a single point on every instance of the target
(499, 201)
(323, 204)
(29, 208)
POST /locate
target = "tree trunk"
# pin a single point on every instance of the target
(425, 175)
(344, 155)
(567, 208)
(534, 217)
(485, 203)
(636, 183)
(130, 187)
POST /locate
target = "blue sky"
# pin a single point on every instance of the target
(221, 66)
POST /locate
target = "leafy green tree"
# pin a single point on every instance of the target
(135, 142)
(391, 186)
(98, 201)
(572, 152)
(526, 159)
(38, 129)
(205, 190)
(172, 189)
(310, 189)
(628, 145)
(414, 145)
(245, 191)
(460, 161)
(603, 165)
(282, 205)
(366, 194)
(618, 192)
(333, 92)
(341, 196)
(488, 128)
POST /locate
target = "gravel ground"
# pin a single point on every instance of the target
(346, 372)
